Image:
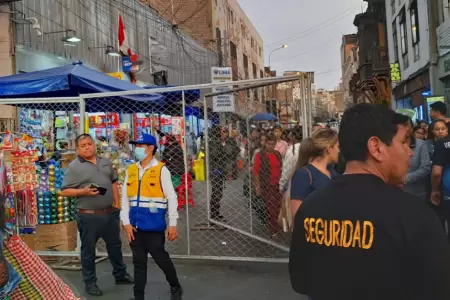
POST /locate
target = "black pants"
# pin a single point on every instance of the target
(92, 227)
(146, 242)
(217, 186)
(443, 212)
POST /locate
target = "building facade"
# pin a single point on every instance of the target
(222, 26)
(349, 64)
(37, 33)
(371, 83)
(409, 47)
(442, 19)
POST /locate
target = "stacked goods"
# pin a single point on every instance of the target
(53, 209)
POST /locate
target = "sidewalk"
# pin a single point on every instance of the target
(201, 280)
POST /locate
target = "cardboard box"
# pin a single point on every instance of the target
(28, 239)
(57, 237)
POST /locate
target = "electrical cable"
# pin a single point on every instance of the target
(308, 31)
(329, 41)
(196, 11)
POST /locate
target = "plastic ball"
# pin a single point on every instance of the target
(41, 211)
(55, 221)
(40, 193)
(54, 205)
(60, 215)
(60, 209)
(66, 214)
(60, 221)
(66, 202)
(60, 198)
(47, 211)
(66, 220)
(47, 217)
(41, 217)
(43, 172)
(40, 204)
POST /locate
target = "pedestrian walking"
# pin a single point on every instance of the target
(314, 168)
(266, 177)
(218, 162)
(363, 237)
(147, 195)
(93, 182)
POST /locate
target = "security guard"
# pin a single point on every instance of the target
(147, 195)
(362, 237)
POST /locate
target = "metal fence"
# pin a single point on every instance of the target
(220, 216)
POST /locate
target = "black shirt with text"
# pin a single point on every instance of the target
(359, 238)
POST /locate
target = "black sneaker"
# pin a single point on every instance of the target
(127, 279)
(93, 290)
(176, 293)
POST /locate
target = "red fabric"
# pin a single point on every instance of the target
(275, 167)
(272, 198)
(38, 279)
(181, 191)
(123, 42)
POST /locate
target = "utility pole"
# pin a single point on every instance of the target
(310, 104)
(434, 54)
(304, 105)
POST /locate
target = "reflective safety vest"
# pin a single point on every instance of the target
(148, 204)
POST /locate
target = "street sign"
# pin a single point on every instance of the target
(222, 103)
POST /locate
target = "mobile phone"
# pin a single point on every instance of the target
(101, 190)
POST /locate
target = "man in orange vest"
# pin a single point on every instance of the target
(147, 195)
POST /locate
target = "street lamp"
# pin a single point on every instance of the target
(270, 54)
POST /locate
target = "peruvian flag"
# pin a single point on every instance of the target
(123, 41)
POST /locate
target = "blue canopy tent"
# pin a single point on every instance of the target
(190, 96)
(71, 81)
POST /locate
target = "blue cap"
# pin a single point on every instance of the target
(147, 139)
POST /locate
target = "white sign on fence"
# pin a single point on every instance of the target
(222, 103)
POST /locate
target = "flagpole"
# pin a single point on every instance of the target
(118, 43)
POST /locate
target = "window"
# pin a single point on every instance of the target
(395, 38)
(243, 31)
(252, 43)
(260, 52)
(232, 16)
(404, 39)
(414, 23)
(261, 74)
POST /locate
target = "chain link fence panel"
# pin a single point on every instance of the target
(210, 154)
(219, 213)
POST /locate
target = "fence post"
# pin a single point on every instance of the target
(186, 171)
(206, 139)
(81, 129)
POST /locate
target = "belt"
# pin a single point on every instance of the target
(101, 211)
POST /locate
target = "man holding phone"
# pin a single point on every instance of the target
(147, 196)
(93, 182)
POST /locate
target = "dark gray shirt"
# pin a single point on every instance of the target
(82, 173)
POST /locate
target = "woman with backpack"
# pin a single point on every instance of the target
(314, 165)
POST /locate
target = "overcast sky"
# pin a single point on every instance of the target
(312, 30)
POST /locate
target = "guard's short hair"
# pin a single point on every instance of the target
(364, 121)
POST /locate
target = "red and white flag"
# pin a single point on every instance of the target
(123, 41)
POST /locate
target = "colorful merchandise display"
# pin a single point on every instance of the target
(53, 209)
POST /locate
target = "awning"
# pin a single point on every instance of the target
(73, 80)
(190, 96)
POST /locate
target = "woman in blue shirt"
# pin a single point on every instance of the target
(314, 169)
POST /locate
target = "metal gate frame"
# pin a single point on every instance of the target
(246, 84)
